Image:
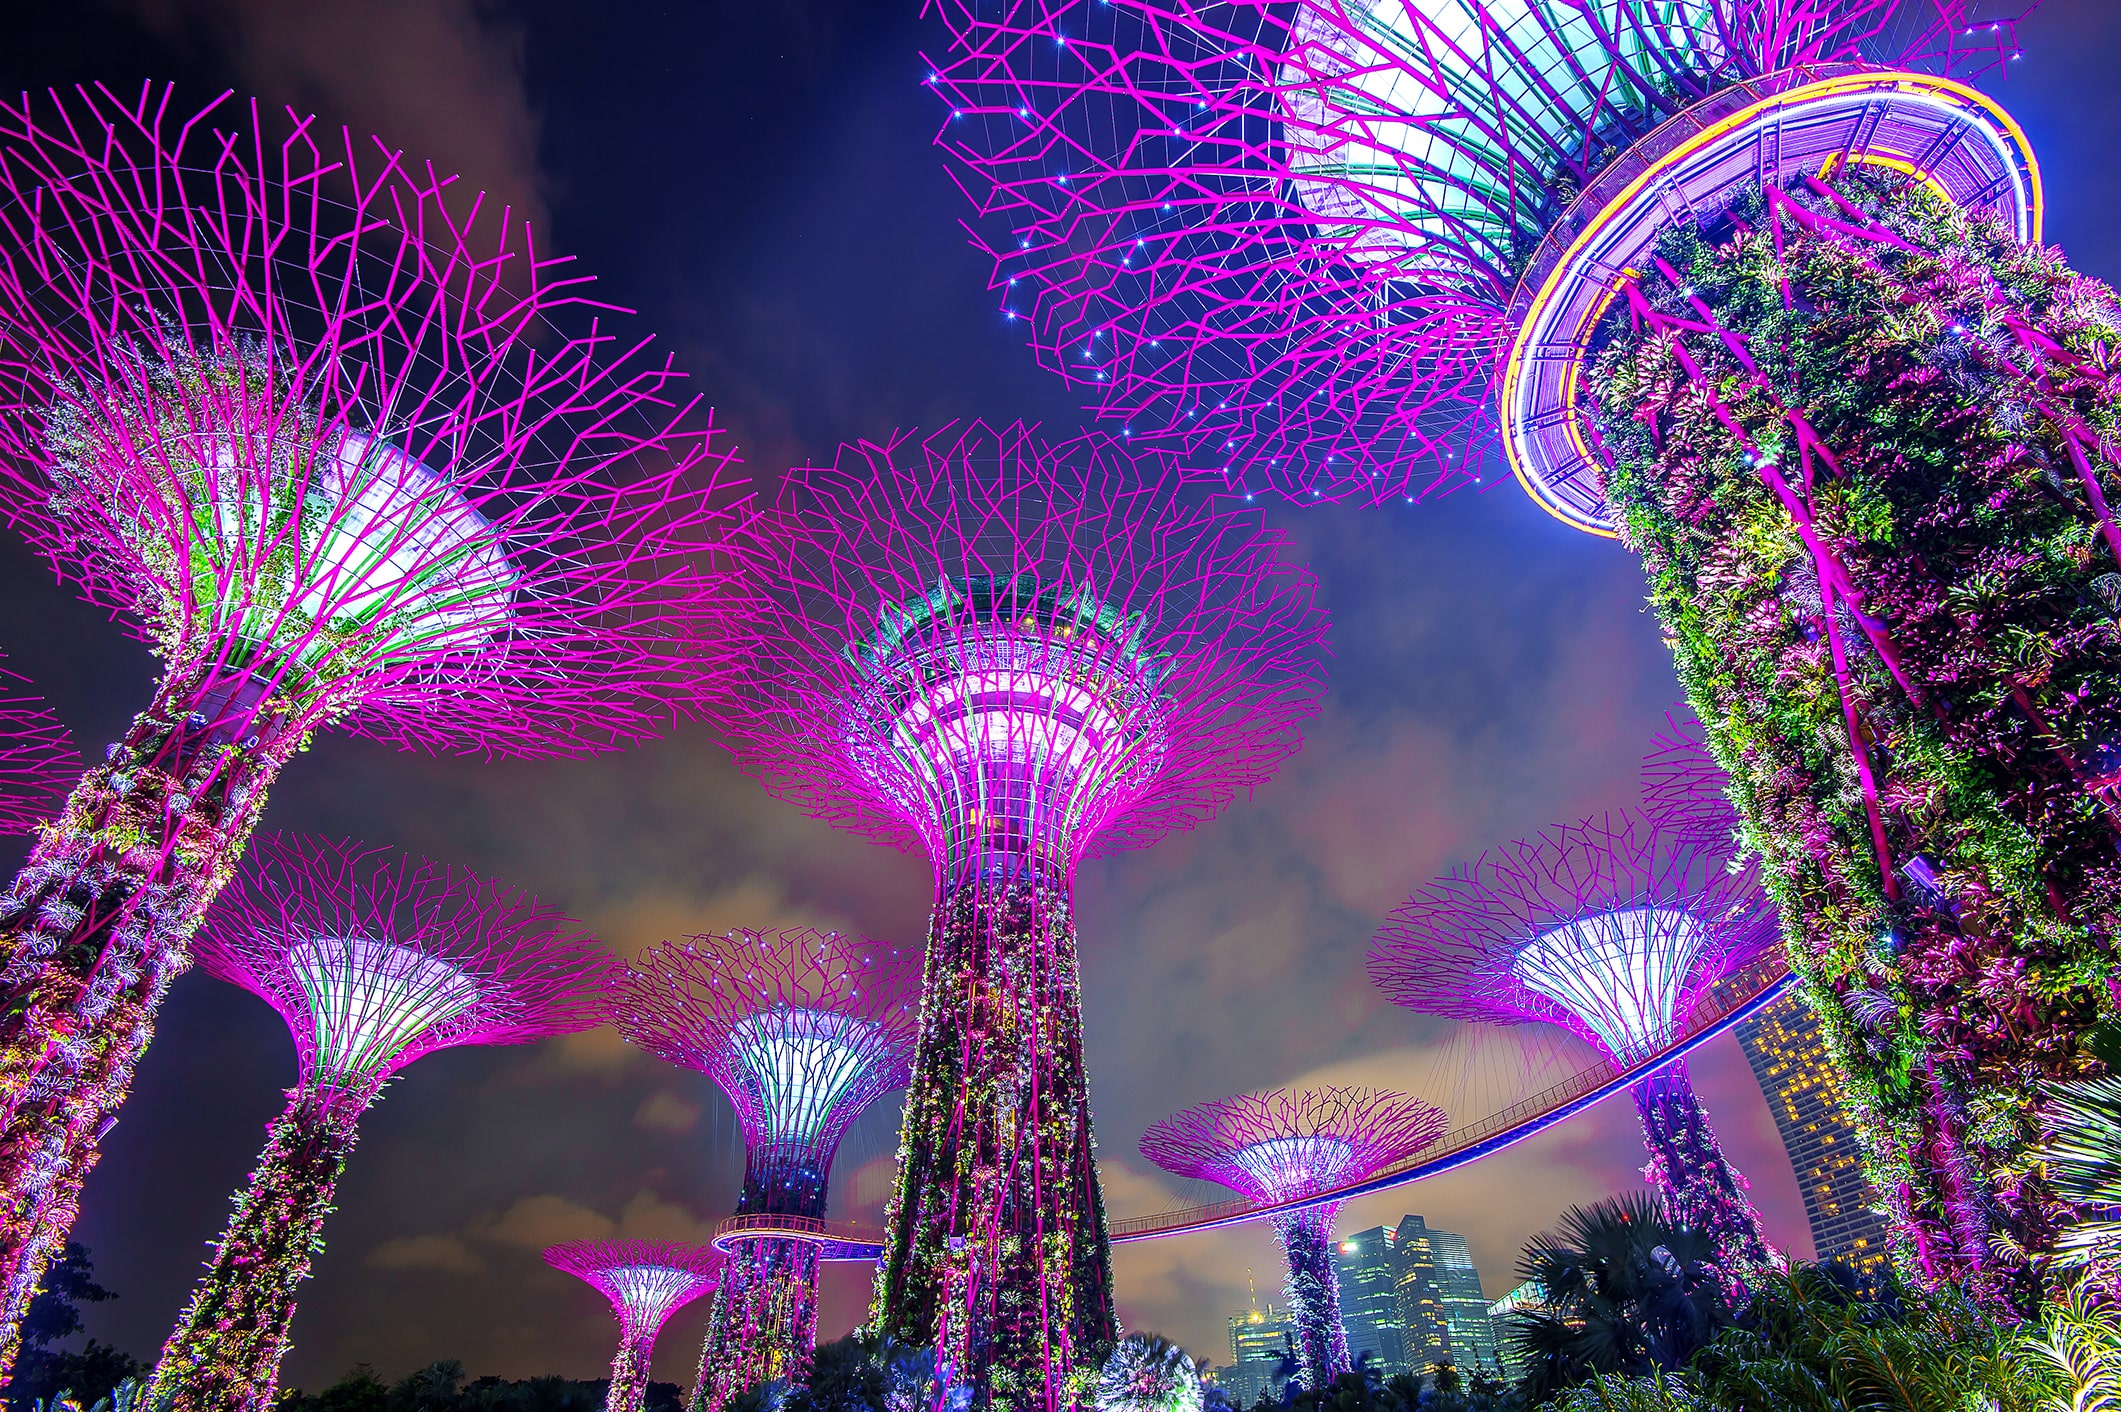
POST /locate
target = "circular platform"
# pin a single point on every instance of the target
(1744, 993)
(1799, 121)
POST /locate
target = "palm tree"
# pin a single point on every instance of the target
(1623, 1288)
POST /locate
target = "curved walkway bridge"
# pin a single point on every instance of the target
(1740, 995)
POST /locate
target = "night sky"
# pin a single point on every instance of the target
(757, 180)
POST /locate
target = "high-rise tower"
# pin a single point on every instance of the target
(1803, 1090)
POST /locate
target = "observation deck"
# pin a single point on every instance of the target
(1798, 122)
(1743, 993)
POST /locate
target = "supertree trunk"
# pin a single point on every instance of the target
(629, 1372)
(1687, 1163)
(764, 1324)
(93, 931)
(1862, 445)
(1314, 1297)
(995, 1245)
(225, 1354)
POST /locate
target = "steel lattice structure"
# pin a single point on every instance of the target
(1294, 239)
(646, 1281)
(1614, 929)
(1286, 1145)
(346, 448)
(1685, 792)
(38, 761)
(1754, 284)
(803, 1030)
(374, 958)
(1015, 654)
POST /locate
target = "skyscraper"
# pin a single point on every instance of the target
(1369, 1300)
(1441, 1307)
(1784, 1045)
(1261, 1346)
(1526, 1297)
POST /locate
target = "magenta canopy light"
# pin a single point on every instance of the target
(1756, 285)
(646, 1281)
(803, 1030)
(1616, 930)
(1012, 654)
(1287, 1145)
(1685, 791)
(374, 959)
(1299, 241)
(38, 761)
(345, 447)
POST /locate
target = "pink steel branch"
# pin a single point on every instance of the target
(803, 1030)
(346, 448)
(38, 761)
(1288, 239)
(646, 1281)
(1616, 930)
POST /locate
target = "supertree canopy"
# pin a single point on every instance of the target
(803, 1030)
(1685, 791)
(1615, 929)
(38, 762)
(646, 1281)
(1287, 1145)
(1753, 284)
(345, 447)
(1013, 654)
(374, 959)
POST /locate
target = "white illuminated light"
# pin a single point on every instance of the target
(650, 1292)
(370, 999)
(1008, 733)
(802, 1062)
(1408, 130)
(383, 541)
(1618, 972)
(1289, 1167)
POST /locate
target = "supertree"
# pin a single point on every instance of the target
(38, 762)
(1684, 791)
(374, 958)
(1286, 1145)
(646, 1281)
(1012, 654)
(803, 1030)
(1617, 930)
(345, 448)
(1753, 284)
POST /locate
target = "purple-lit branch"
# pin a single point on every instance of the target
(38, 761)
(1611, 927)
(321, 421)
(1614, 928)
(646, 1281)
(1286, 238)
(1287, 1145)
(803, 1030)
(373, 958)
(1685, 791)
(989, 644)
(343, 446)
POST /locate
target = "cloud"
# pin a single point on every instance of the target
(442, 79)
(539, 1221)
(601, 1052)
(665, 1112)
(446, 1253)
